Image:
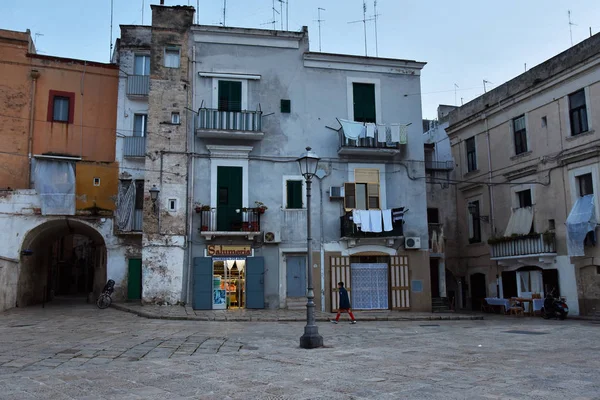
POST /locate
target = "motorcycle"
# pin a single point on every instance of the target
(105, 299)
(554, 307)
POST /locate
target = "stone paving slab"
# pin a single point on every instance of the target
(186, 313)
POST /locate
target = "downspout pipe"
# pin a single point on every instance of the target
(490, 187)
(190, 144)
(34, 74)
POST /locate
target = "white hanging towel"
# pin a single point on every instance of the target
(382, 133)
(356, 218)
(352, 130)
(376, 223)
(394, 133)
(387, 220)
(365, 221)
(371, 130)
(403, 134)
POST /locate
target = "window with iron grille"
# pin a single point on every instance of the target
(471, 154)
(578, 113)
(520, 135)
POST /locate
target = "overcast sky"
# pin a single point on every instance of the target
(463, 41)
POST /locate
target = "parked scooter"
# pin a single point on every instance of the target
(554, 307)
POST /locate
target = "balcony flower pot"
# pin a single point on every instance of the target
(261, 207)
(204, 228)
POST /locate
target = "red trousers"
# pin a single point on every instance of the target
(347, 310)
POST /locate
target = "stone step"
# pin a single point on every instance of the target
(296, 303)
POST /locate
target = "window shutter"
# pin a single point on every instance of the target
(366, 175)
(294, 194)
(230, 96)
(364, 102)
(373, 196)
(349, 196)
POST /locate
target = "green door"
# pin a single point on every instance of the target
(229, 199)
(134, 279)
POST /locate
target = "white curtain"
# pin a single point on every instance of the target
(581, 220)
(55, 183)
(125, 206)
(524, 284)
(520, 222)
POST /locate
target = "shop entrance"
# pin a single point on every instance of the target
(229, 283)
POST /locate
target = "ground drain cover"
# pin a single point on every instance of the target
(429, 325)
(69, 351)
(527, 332)
(21, 325)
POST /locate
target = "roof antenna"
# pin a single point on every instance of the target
(35, 38)
(375, 16)
(281, 12)
(111, 28)
(224, 11)
(319, 21)
(142, 12)
(571, 28)
(484, 88)
(364, 21)
(455, 87)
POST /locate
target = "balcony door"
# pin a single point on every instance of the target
(229, 198)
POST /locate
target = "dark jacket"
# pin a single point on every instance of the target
(344, 299)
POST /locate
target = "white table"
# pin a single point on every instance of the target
(538, 304)
(495, 301)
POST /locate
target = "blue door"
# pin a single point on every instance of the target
(202, 298)
(296, 276)
(255, 282)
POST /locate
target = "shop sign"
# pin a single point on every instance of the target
(219, 250)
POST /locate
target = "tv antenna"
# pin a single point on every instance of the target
(111, 28)
(197, 12)
(571, 27)
(274, 16)
(142, 12)
(455, 87)
(319, 21)
(364, 21)
(375, 16)
(484, 88)
(224, 11)
(35, 36)
(281, 12)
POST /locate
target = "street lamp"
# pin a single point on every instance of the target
(474, 211)
(311, 339)
(154, 191)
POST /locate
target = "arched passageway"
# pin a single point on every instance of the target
(62, 257)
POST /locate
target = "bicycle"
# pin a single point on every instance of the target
(105, 299)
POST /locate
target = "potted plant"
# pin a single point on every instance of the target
(261, 207)
(204, 228)
(197, 207)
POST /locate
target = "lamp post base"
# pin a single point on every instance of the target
(311, 340)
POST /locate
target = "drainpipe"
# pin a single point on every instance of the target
(322, 247)
(34, 74)
(190, 144)
(490, 188)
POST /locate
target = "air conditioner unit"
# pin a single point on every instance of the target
(336, 192)
(412, 243)
(272, 237)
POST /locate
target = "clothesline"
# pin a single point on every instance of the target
(377, 221)
(388, 133)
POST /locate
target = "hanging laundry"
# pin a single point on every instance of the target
(398, 214)
(403, 134)
(365, 220)
(376, 222)
(356, 218)
(383, 132)
(371, 130)
(394, 133)
(352, 130)
(387, 220)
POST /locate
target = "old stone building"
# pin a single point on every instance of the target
(228, 111)
(527, 199)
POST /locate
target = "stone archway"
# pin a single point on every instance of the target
(64, 257)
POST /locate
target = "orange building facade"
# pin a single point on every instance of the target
(54, 108)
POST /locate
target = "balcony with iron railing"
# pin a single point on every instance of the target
(350, 230)
(227, 221)
(134, 146)
(368, 146)
(138, 85)
(533, 245)
(219, 124)
(431, 165)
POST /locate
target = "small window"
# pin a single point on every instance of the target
(294, 194)
(172, 205)
(474, 222)
(544, 121)
(585, 184)
(141, 65)
(433, 216)
(520, 135)
(61, 109)
(598, 269)
(471, 154)
(524, 197)
(140, 125)
(96, 181)
(551, 224)
(286, 106)
(578, 113)
(172, 54)
(364, 102)
(175, 118)
(139, 195)
(230, 96)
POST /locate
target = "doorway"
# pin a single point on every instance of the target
(229, 198)
(134, 279)
(229, 284)
(296, 276)
(478, 290)
(434, 272)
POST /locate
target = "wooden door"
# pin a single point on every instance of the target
(400, 283)
(340, 272)
(134, 279)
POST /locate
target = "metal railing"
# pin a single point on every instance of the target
(224, 219)
(367, 143)
(524, 245)
(439, 165)
(211, 119)
(350, 230)
(138, 85)
(436, 238)
(134, 146)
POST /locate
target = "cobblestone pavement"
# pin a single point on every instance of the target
(80, 352)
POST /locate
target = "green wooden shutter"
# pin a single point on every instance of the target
(294, 194)
(230, 96)
(364, 102)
